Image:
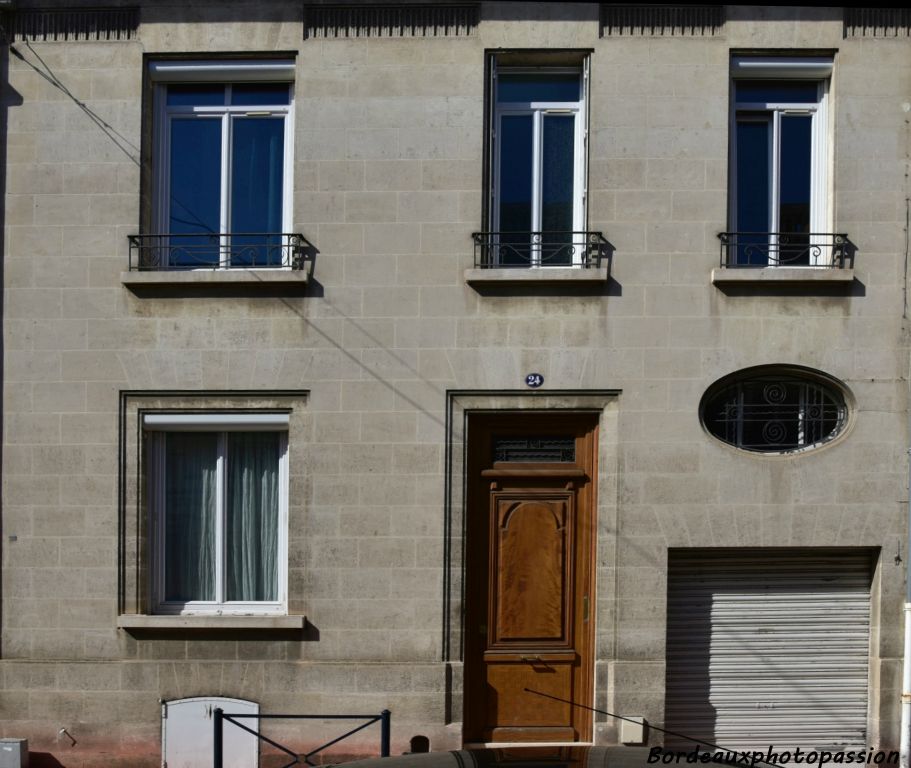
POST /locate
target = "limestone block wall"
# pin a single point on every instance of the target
(388, 186)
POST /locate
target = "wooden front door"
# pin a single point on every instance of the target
(529, 578)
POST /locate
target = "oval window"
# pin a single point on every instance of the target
(775, 410)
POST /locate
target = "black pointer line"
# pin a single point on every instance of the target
(744, 756)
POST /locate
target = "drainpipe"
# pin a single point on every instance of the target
(905, 732)
(905, 725)
(905, 746)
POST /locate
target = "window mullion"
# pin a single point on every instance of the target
(581, 219)
(225, 241)
(493, 158)
(288, 178)
(283, 530)
(819, 165)
(163, 125)
(774, 191)
(580, 193)
(496, 177)
(537, 177)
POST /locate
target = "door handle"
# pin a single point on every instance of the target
(531, 659)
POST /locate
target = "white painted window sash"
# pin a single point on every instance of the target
(157, 483)
(165, 114)
(819, 159)
(537, 110)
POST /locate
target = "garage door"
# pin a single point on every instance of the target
(768, 647)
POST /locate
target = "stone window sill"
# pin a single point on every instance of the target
(781, 276)
(148, 623)
(201, 281)
(543, 275)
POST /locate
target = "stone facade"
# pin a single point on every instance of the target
(388, 343)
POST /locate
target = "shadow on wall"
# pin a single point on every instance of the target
(8, 98)
(43, 760)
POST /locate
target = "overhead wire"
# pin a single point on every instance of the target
(120, 141)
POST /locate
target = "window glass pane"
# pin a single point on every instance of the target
(776, 91)
(196, 95)
(257, 165)
(538, 86)
(195, 191)
(189, 525)
(753, 189)
(515, 173)
(258, 94)
(557, 189)
(794, 214)
(251, 525)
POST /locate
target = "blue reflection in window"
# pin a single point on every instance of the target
(249, 189)
(776, 91)
(534, 86)
(557, 188)
(794, 212)
(796, 145)
(515, 188)
(196, 95)
(257, 164)
(195, 191)
(753, 190)
(259, 94)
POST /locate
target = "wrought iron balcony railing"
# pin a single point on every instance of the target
(246, 250)
(785, 249)
(539, 249)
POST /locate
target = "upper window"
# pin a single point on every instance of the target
(223, 174)
(779, 166)
(218, 499)
(537, 165)
(774, 411)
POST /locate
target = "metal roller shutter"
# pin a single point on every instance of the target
(768, 648)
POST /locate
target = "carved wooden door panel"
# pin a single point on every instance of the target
(529, 581)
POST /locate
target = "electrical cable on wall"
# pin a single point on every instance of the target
(121, 141)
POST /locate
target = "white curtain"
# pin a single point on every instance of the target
(251, 525)
(190, 484)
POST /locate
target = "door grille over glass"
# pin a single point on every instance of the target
(534, 449)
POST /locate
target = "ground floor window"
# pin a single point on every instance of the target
(218, 502)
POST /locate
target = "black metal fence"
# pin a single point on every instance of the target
(220, 716)
(785, 249)
(244, 250)
(539, 249)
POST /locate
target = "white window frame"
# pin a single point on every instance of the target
(165, 73)
(538, 109)
(156, 428)
(794, 68)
